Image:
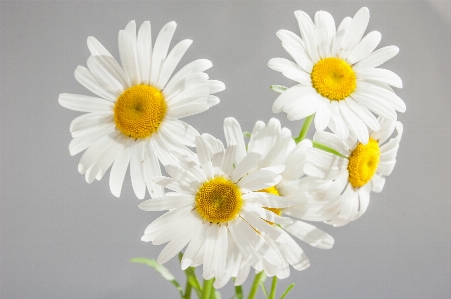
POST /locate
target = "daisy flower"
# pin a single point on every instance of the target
(337, 73)
(215, 204)
(346, 181)
(134, 118)
(277, 147)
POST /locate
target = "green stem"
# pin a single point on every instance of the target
(272, 294)
(187, 290)
(305, 127)
(239, 292)
(255, 284)
(207, 289)
(327, 149)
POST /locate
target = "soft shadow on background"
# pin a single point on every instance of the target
(63, 238)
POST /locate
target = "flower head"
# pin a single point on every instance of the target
(345, 183)
(337, 73)
(217, 211)
(134, 118)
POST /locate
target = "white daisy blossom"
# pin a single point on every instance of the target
(338, 75)
(134, 118)
(345, 184)
(216, 211)
(277, 147)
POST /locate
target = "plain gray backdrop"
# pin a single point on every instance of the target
(63, 238)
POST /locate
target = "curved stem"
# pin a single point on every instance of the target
(255, 284)
(304, 129)
(327, 149)
(207, 289)
(272, 294)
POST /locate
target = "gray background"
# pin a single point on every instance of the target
(63, 238)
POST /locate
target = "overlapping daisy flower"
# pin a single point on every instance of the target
(216, 203)
(346, 181)
(338, 75)
(277, 147)
(134, 117)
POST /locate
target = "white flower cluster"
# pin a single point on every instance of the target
(236, 207)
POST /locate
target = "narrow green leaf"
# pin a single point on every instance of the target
(164, 272)
(278, 88)
(287, 290)
(327, 149)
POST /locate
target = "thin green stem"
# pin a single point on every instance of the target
(207, 289)
(305, 127)
(272, 294)
(239, 292)
(187, 290)
(327, 149)
(255, 284)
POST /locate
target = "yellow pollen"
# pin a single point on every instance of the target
(218, 200)
(139, 111)
(363, 163)
(272, 190)
(333, 78)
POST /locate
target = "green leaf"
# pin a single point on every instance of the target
(278, 88)
(287, 290)
(164, 272)
(194, 283)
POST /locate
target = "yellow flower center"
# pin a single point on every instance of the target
(363, 163)
(139, 111)
(333, 78)
(218, 200)
(272, 190)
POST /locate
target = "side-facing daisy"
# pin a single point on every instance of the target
(346, 181)
(135, 118)
(337, 73)
(216, 203)
(277, 147)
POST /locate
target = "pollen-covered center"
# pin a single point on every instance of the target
(139, 111)
(272, 190)
(363, 163)
(218, 200)
(333, 78)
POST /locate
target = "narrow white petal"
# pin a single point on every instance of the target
(381, 75)
(181, 131)
(355, 31)
(144, 51)
(341, 30)
(266, 229)
(376, 58)
(376, 104)
(395, 102)
(96, 48)
(82, 142)
(160, 50)
(263, 199)
(290, 70)
(322, 115)
(193, 247)
(89, 120)
(258, 180)
(292, 94)
(232, 130)
(93, 154)
(172, 61)
(106, 69)
(387, 129)
(300, 57)
(129, 56)
(365, 115)
(267, 215)
(197, 66)
(377, 183)
(248, 162)
(109, 157)
(302, 107)
(365, 47)
(307, 29)
(78, 102)
(310, 234)
(204, 155)
(295, 161)
(336, 123)
(85, 78)
(355, 124)
(137, 177)
(117, 173)
(324, 32)
(290, 37)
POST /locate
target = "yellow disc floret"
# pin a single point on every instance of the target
(139, 111)
(363, 163)
(218, 200)
(333, 78)
(272, 190)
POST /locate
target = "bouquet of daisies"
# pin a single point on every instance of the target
(241, 205)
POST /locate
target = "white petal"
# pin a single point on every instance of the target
(331, 141)
(109, 157)
(248, 162)
(119, 168)
(78, 102)
(290, 70)
(300, 56)
(160, 50)
(387, 129)
(90, 120)
(322, 115)
(172, 61)
(290, 37)
(302, 107)
(85, 78)
(181, 131)
(267, 215)
(377, 183)
(310, 234)
(137, 177)
(166, 203)
(258, 180)
(365, 115)
(294, 255)
(295, 161)
(395, 102)
(324, 32)
(355, 124)
(107, 70)
(96, 48)
(144, 50)
(376, 58)
(204, 155)
(232, 130)
(341, 31)
(189, 109)
(376, 104)
(82, 142)
(291, 94)
(193, 247)
(381, 75)
(191, 68)
(365, 47)
(307, 29)
(93, 154)
(355, 31)
(263, 227)
(263, 199)
(129, 55)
